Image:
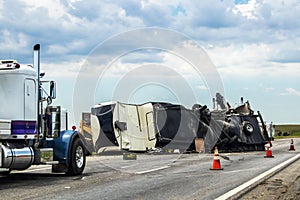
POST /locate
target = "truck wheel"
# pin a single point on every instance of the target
(77, 158)
(248, 128)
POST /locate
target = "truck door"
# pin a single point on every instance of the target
(30, 100)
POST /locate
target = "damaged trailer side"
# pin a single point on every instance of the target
(163, 125)
(239, 133)
(177, 127)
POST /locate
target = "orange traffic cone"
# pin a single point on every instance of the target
(292, 148)
(268, 151)
(216, 165)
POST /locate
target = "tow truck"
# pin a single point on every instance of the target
(32, 131)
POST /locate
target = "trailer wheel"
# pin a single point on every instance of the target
(248, 128)
(77, 158)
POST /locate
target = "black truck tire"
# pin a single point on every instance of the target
(248, 128)
(77, 158)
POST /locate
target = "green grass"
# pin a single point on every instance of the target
(290, 130)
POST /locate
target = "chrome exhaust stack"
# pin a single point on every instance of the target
(36, 57)
(36, 65)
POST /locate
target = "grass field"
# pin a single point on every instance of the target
(287, 131)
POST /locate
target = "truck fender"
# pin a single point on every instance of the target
(69, 151)
(63, 144)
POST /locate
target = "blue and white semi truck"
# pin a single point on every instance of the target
(32, 132)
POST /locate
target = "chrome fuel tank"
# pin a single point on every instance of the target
(16, 158)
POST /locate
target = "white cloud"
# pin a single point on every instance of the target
(13, 42)
(202, 87)
(290, 92)
(242, 60)
(92, 22)
(1, 9)
(62, 69)
(239, 44)
(54, 7)
(251, 60)
(269, 89)
(248, 9)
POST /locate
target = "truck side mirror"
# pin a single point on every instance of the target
(53, 89)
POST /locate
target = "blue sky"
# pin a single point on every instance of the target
(254, 46)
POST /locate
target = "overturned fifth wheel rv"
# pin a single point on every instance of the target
(164, 125)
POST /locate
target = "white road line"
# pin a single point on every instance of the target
(152, 170)
(128, 166)
(32, 170)
(256, 179)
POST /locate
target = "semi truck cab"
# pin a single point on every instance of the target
(18, 92)
(32, 131)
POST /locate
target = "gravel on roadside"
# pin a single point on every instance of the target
(283, 185)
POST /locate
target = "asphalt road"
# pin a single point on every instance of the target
(171, 176)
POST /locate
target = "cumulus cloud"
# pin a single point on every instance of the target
(247, 9)
(290, 92)
(248, 38)
(61, 22)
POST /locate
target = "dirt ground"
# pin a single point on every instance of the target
(283, 185)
